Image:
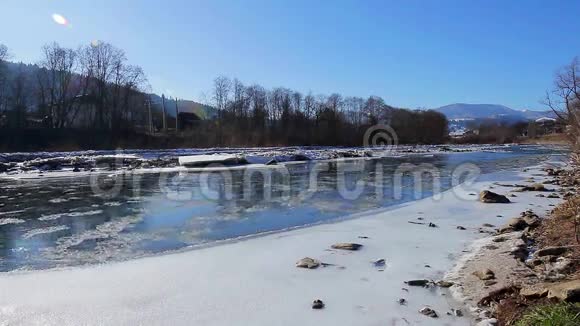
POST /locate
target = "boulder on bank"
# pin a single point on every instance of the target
(444, 284)
(347, 246)
(534, 187)
(533, 292)
(514, 224)
(554, 172)
(308, 262)
(490, 197)
(484, 275)
(552, 251)
(566, 291)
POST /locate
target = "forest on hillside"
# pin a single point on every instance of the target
(93, 97)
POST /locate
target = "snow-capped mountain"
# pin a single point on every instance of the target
(463, 111)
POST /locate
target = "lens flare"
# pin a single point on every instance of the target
(59, 19)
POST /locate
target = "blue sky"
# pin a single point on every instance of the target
(412, 53)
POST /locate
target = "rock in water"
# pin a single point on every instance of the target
(428, 312)
(484, 275)
(487, 196)
(317, 304)
(308, 262)
(347, 246)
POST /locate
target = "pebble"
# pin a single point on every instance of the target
(428, 312)
(487, 322)
(317, 304)
(379, 262)
(489, 282)
(457, 312)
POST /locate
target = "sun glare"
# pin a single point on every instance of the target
(59, 19)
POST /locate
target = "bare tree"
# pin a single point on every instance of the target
(19, 97)
(564, 98)
(55, 80)
(297, 101)
(3, 79)
(221, 92)
(101, 66)
(335, 102)
(309, 105)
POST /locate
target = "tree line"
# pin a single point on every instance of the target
(281, 116)
(95, 87)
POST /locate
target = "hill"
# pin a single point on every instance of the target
(464, 111)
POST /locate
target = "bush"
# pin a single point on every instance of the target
(552, 315)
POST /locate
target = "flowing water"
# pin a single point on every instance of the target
(54, 222)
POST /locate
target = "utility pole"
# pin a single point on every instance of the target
(150, 116)
(164, 119)
(176, 116)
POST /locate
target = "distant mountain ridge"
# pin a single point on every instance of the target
(464, 111)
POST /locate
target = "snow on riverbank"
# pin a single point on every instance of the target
(255, 281)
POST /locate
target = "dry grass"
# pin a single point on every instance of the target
(561, 229)
(557, 230)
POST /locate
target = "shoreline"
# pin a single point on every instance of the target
(255, 280)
